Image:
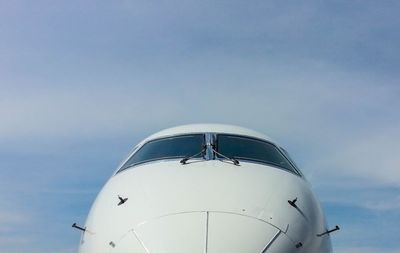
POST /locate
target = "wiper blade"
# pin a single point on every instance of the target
(235, 162)
(184, 160)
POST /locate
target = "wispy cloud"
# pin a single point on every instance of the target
(353, 117)
(81, 82)
(13, 217)
(392, 204)
(366, 250)
(373, 156)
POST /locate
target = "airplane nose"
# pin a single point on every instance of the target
(200, 232)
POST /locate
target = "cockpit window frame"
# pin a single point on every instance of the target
(139, 147)
(289, 158)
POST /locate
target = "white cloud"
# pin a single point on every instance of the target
(13, 217)
(324, 82)
(348, 122)
(372, 156)
(366, 250)
(384, 204)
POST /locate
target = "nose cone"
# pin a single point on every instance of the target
(199, 232)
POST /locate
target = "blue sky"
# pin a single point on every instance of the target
(81, 82)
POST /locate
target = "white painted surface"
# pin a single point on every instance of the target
(168, 202)
(180, 233)
(237, 233)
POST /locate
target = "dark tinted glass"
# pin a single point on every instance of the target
(251, 149)
(172, 147)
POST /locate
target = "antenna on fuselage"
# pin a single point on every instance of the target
(293, 202)
(327, 232)
(78, 227)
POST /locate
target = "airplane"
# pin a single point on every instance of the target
(206, 188)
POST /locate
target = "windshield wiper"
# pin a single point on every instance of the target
(184, 160)
(235, 162)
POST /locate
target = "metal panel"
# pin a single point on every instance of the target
(179, 233)
(129, 243)
(237, 234)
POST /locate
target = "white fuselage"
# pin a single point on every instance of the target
(205, 206)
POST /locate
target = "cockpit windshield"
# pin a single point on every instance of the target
(220, 146)
(167, 148)
(246, 148)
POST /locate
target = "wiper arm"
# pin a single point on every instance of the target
(235, 162)
(184, 160)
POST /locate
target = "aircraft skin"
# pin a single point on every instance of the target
(205, 205)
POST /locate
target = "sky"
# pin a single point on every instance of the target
(82, 82)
